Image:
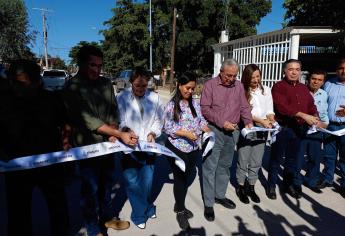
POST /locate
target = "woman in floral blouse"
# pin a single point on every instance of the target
(184, 125)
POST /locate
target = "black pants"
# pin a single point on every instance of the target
(19, 187)
(181, 178)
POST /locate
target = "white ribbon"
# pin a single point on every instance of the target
(340, 132)
(314, 129)
(209, 135)
(85, 152)
(246, 131)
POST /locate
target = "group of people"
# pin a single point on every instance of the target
(86, 111)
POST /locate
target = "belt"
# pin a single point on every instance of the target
(336, 123)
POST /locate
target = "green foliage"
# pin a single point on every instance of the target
(317, 13)
(14, 31)
(127, 39)
(198, 27)
(74, 50)
(58, 63)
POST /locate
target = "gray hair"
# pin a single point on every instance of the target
(229, 62)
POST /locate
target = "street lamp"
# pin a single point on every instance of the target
(173, 51)
(150, 29)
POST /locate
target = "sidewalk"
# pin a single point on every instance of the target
(313, 214)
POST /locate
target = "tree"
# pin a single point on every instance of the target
(127, 39)
(74, 50)
(58, 63)
(316, 13)
(14, 31)
(198, 27)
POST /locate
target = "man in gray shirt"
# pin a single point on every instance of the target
(223, 104)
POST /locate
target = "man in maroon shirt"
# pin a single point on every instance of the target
(295, 112)
(223, 104)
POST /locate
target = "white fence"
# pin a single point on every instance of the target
(268, 51)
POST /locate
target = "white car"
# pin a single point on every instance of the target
(54, 79)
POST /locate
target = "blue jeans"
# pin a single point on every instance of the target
(288, 145)
(139, 176)
(311, 146)
(333, 145)
(97, 179)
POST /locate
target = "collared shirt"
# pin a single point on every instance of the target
(320, 101)
(221, 103)
(336, 97)
(288, 99)
(186, 122)
(90, 104)
(142, 115)
(261, 102)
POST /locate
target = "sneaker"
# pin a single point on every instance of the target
(154, 216)
(182, 220)
(141, 226)
(117, 224)
(188, 213)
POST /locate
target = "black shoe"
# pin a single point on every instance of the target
(298, 189)
(293, 191)
(209, 213)
(315, 189)
(242, 195)
(188, 213)
(323, 184)
(182, 220)
(271, 193)
(226, 202)
(252, 194)
(342, 191)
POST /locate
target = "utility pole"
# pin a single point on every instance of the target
(173, 51)
(150, 29)
(45, 34)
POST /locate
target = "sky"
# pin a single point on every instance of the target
(72, 21)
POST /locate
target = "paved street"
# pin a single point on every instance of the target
(313, 214)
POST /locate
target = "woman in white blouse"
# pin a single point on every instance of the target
(141, 113)
(251, 149)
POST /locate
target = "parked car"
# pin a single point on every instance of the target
(122, 80)
(54, 79)
(151, 85)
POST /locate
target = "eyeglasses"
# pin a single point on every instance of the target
(229, 76)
